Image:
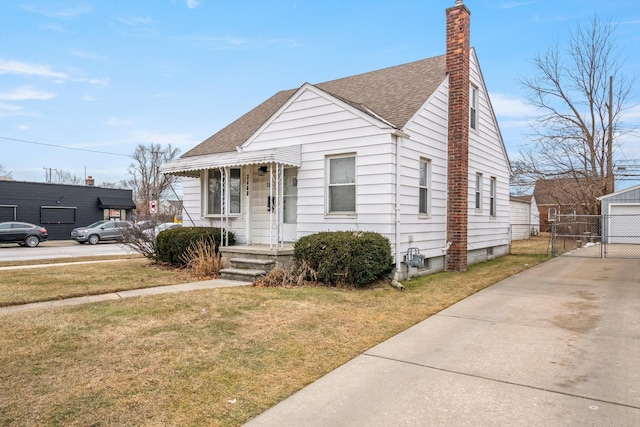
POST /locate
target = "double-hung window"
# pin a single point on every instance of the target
(492, 196)
(223, 191)
(478, 192)
(341, 191)
(424, 199)
(473, 107)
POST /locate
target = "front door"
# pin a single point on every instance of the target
(290, 205)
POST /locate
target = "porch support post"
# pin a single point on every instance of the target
(247, 206)
(280, 201)
(224, 214)
(271, 207)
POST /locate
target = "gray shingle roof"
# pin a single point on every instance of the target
(394, 93)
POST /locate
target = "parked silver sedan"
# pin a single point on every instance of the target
(100, 230)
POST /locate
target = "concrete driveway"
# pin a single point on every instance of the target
(557, 345)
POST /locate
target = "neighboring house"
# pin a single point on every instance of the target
(621, 216)
(413, 152)
(60, 207)
(560, 196)
(524, 217)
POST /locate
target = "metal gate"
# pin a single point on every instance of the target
(596, 236)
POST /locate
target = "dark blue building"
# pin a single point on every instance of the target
(60, 208)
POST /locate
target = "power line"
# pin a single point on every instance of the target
(62, 146)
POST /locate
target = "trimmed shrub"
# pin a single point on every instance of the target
(172, 244)
(350, 257)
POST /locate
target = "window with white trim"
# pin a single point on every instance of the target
(473, 107)
(478, 200)
(231, 197)
(341, 184)
(492, 196)
(424, 202)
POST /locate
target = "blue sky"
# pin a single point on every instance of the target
(103, 76)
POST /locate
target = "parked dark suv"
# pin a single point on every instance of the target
(101, 230)
(23, 233)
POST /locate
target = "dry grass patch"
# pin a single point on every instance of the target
(53, 282)
(68, 260)
(214, 358)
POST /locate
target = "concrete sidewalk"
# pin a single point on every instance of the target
(157, 290)
(557, 345)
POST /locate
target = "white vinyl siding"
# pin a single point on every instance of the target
(324, 127)
(428, 131)
(487, 155)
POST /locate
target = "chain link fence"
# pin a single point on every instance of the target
(585, 236)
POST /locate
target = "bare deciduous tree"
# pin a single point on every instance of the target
(580, 93)
(109, 184)
(4, 173)
(59, 176)
(146, 180)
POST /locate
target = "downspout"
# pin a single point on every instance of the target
(397, 205)
(398, 135)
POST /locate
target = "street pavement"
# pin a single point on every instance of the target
(556, 345)
(60, 249)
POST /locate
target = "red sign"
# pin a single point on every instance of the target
(153, 206)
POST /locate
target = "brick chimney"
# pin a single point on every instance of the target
(458, 48)
(89, 181)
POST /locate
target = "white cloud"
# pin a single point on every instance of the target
(135, 21)
(86, 55)
(25, 93)
(9, 107)
(114, 121)
(53, 27)
(69, 13)
(38, 70)
(506, 106)
(632, 115)
(23, 68)
(513, 4)
(88, 98)
(192, 4)
(93, 81)
(183, 141)
(23, 127)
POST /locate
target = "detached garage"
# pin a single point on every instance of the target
(621, 216)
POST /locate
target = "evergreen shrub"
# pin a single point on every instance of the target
(173, 244)
(350, 257)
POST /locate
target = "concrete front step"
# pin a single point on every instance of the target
(252, 263)
(241, 274)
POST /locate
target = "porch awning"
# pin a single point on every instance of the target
(115, 203)
(191, 166)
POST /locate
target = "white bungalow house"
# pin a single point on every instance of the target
(413, 152)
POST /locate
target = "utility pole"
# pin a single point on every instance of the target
(47, 174)
(610, 177)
